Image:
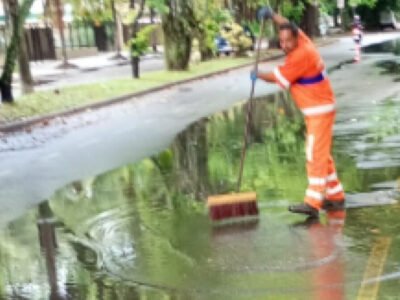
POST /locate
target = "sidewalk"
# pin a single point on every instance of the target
(99, 61)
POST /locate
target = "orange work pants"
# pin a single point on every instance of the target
(321, 170)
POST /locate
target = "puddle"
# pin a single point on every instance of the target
(142, 232)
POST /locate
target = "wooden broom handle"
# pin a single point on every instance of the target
(249, 110)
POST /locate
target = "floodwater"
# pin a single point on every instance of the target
(391, 46)
(142, 231)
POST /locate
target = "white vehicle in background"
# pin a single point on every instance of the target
(387, 19)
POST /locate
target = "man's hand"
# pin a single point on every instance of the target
(265, 12)
(253, 76)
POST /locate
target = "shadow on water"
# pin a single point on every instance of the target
(391, 46)
(142, 232)
(389, 66)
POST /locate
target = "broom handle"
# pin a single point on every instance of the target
(249, 111)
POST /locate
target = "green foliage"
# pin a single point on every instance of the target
(208, 30)
(210, 17)
(20, 14)
(130, 17)
(93, 11)
(327, 6)
(158, 5)
(236, 37)
(221, 16)
(141, 42)
(293, 12)
(368, 3)
(370, 13)
(386, 121)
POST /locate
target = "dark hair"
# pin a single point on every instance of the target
(291, 27)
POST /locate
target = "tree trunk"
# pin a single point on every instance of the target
(336, 17)
(178, 45)
(310, 20)
(60, 21)
(24, 66)
(205, 51)
(135, 61)
(191, 160)
(117, 32)
(135, 28)
(345, 19)
(153, 35)
(177, 26)
(48, 243)
(17, 16)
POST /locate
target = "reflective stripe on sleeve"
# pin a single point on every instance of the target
(282, 80)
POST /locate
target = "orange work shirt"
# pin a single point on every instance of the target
(304, 64)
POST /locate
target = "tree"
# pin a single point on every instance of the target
(178, 22)
(18, 15)
(153, 38)
(60, 22)
(135, 53)
(210, 15)
(138, 46)
(117, 30)
(24, 67)
(23, 57)
(369, 12)
(310, 19)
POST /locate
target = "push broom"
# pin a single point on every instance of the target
(238, 204)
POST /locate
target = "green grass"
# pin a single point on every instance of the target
(44, 102)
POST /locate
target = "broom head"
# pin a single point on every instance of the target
(232, 206)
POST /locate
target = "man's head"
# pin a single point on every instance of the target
(288, 34)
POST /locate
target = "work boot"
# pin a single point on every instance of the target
(305, 209)
(330, 205)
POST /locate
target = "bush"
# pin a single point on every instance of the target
(237, 38)
(293, 13)
(140, 44)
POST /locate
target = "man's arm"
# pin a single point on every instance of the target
(279, 20)
(268, 13)
(268, 77)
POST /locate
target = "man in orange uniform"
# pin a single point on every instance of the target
(303, 74)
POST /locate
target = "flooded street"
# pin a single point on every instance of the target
(141, 230)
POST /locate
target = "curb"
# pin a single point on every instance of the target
(19, 125)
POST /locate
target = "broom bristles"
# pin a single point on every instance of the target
(232, 206)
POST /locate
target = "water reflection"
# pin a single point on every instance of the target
(142, 232)
(48, 244)
(327, 240)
